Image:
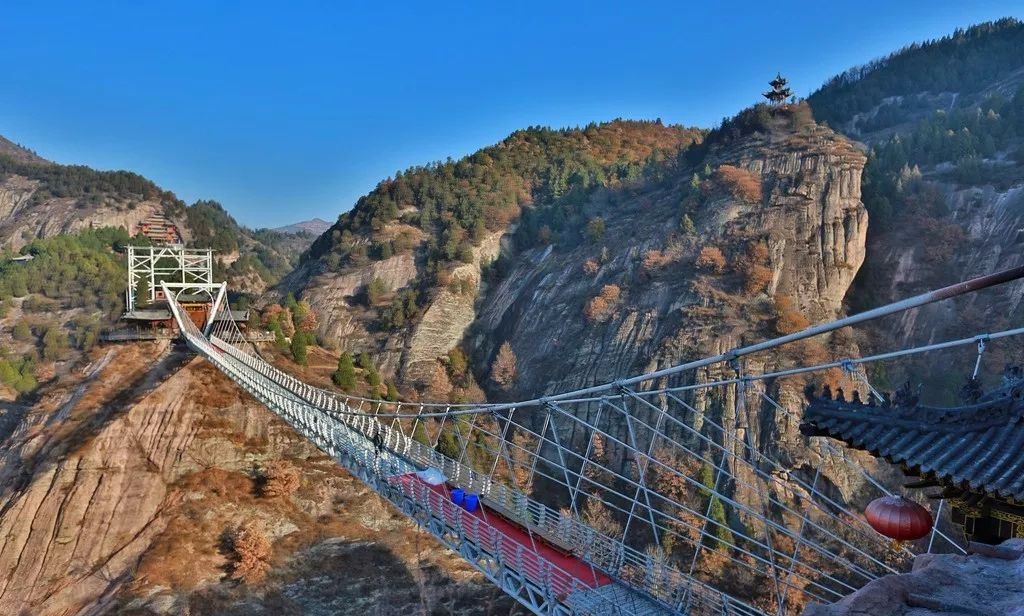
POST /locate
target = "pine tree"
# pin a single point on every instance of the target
(279, 339)
(299, 349)
(687, 226)
(142, 292)
(375, 291)
(345, 376)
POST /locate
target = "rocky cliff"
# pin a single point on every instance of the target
(807, 218)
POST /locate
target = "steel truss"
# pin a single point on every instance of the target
(179, 267)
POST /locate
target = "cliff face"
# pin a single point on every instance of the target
(810, 219)
(22, 219)
(120, 485)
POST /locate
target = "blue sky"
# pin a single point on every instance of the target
(286, 111)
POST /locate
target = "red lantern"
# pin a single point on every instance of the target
(898, 518)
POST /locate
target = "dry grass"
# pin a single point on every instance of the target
(279, 478)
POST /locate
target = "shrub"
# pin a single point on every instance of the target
(21, 331)
(653, 259)
(375, 291)
(595, 229)
(788, 318)
(458, 363)
(741, 183)
(55, 342)
(599, 307)
(711, 259)
(590, 267)
(251, 549)
(756, 275)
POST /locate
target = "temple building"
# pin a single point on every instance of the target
(160, 230)
(973, 454)
(780, 90)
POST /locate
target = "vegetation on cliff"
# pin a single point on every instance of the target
(457, 202)
(965, 61)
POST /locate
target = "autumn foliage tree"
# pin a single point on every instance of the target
(788, 318)
(711, 260)
(753, 266)
(503, 370)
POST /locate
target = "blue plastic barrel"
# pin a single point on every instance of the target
(458, 496)
(471, 503)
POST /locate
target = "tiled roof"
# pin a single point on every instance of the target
(980, 445)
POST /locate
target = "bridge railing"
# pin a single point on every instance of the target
(609, 554)
(606, 554)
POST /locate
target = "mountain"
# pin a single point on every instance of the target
(587, 254)
(422, 238)
(943, 122)
(315, 227)
(41, 199)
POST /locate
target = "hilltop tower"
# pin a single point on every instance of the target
(780, 90)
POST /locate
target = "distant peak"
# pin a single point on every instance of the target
(316, 226)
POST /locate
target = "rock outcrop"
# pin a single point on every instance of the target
(940, 585)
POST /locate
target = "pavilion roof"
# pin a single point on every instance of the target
(979, 446)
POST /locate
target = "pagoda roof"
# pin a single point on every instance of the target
(979, 446)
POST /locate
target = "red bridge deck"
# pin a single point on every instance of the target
(538, 560)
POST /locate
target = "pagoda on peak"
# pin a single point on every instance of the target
(780, 90)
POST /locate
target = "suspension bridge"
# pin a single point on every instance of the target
(625, 498)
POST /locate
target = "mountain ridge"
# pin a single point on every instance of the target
(314, 226)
